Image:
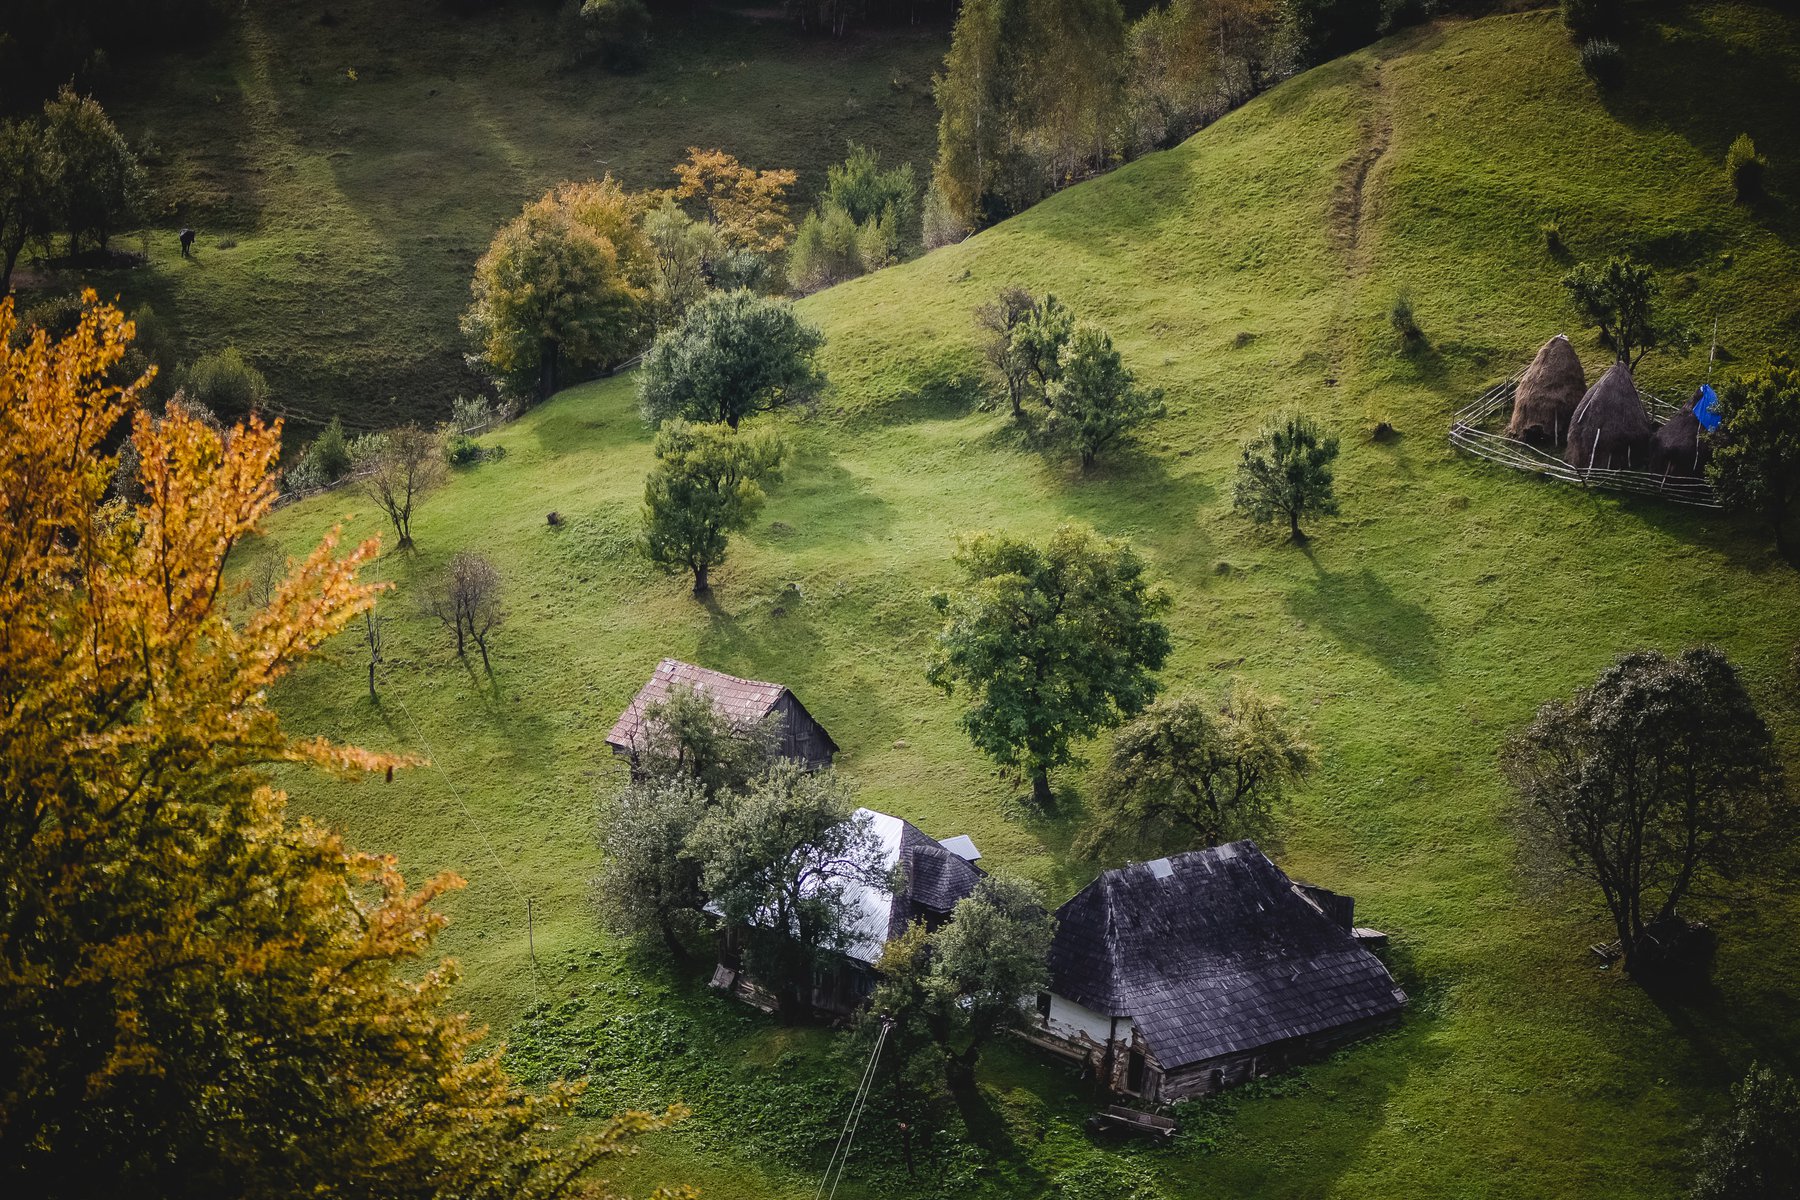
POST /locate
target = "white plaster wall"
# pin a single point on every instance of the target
(1068, 1019)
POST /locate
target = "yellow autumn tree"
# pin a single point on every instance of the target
(199, 994)
(747, 206)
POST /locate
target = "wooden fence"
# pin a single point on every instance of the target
(1471, 430)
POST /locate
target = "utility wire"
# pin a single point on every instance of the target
(852, 1120)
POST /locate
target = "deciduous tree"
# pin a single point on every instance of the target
(200, 995)
(96, 182)
(1188, 773)
(999, 321)
(1285, 471)
(1619, 299)
(707, 484)
(649, 881)
(687, 736)
(781, 862)
(1040, 339)
(397, 468)
(1755, 1150)
(1051, 643)
(733, 354)
(962, 986)
(465, 597)
(747, 206)
(565, 289)
(1756, 449)
(1654, 779)
(25, 193)
(1096, 402)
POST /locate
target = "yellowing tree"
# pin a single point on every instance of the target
(564, 289)
(747, 206)
(199, 995)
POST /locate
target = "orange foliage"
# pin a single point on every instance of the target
(748, 206)
(198, 994)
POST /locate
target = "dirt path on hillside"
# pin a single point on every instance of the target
(1349, 205)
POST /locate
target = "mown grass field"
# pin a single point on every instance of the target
(1244, 271)
(360, 156)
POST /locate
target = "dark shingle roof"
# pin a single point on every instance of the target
(1213, 952)
(745, 701)
(936, 878)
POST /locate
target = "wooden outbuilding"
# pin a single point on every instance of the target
(1189, 974)
(746, 702)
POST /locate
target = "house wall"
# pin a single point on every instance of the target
(1215, 1074)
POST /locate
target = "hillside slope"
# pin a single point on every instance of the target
(1249, 269)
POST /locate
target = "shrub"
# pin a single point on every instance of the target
(1604, 62)
(1755, 1150)
(1745, 167)
(461, 450)
(1552, 231)
(330, 452)
(618, 30)
(469, 413)
(227, 385)
(1589, 19)
(1405, 323)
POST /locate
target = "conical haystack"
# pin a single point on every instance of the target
(1680, 446)
(1610, 431)
(1547, 395)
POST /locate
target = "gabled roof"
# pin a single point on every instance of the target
(745, 701)
(1213, 952)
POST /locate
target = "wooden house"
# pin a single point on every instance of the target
(1189, 974)
(931, 876)
(747, 702)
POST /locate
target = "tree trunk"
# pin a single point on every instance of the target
(1294, 534)
(12, 260)
(672, 941)
(548, 353)
(1041, 795)
(485, 665)
(701, 586)
(371, 679)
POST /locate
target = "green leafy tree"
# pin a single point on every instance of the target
(1052, 644)
(227, 385)
(707, 484)
(867, 192)
(1756, 449)
(1327, 29)
(1187, 773)
(733, 354)
(1657, 777)
(1619, 299)
(25, 193)
(1285, 471)
(781, 861)
(618, 30)
(1040, 339)
(1096, 401)
(687, 736)
(396, 469)
(565, 288)
(999, 320)
(649, 882)
(952, 992)
(96, 182)
(1755, 1151)
(683, 248)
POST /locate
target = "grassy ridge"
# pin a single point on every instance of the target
(358, 206)
(1249, 269)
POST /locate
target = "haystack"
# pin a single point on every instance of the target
(1610, 431)
(1547, 395)
(1680, 446)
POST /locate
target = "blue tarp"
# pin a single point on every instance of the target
(1706, 408)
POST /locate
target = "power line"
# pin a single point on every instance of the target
(852, 1120)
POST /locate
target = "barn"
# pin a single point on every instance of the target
(1188, 974)
(748, 702)
(931, 877)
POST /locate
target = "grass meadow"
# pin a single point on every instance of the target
(1248, 270)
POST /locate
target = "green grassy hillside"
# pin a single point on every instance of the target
(1249, 269)
(357, 206)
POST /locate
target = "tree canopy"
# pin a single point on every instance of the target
(707, 485)
(1619, 299)
(1188, 773)
(1755, 1150)
(1656, 777)
(747, 206)
(199, 994)
(1051, 644)
(564, 289)
(1096, 402)
(732, 355)
(1756, 449)
(1285, 471)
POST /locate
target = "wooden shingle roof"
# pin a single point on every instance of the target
(1211, 953)
(744, 701)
